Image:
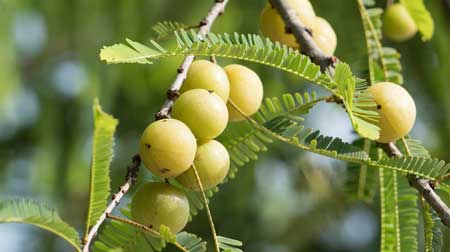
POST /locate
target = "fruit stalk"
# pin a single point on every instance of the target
(303, 36)
(204, 27)
(423, 186)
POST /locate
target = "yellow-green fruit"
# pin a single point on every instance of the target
(397, 110)
(202, 111)
(398, 24)
(207, 75)
(156, 204)
(212, 162)
(324, 36)
(273, 27)
(167, 148)
(246, 91)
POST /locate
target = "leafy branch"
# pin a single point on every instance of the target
(423, 186)
(204, 27)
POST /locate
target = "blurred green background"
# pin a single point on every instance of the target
(287, 201)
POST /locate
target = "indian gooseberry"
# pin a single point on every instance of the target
(212, 162)
(398, 24)
(273, 27)
(167, 148)
(324, 36)
(204, 74)
(158, 203)
(246, 91)
(204, 112)
(397, 110)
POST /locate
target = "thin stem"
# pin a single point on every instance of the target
(131, 177)
(208, 212)
(144, 228)
(204, 27)
(405, 143)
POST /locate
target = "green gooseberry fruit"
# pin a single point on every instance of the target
(212, 162)
(167, 148)
(397, 110)
(246, 91)
(204, 74)
(398, 24)
(202, 111)
(157, 203)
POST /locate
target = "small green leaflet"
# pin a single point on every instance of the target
(421, 17)
(34, 213)
(229, 245)
(102, 153)
(359, 102)
(120, 53)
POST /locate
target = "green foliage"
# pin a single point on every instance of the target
(390, 227)
(165, 29)
(34, 213)
(408, 215)
(244, 142)
(432, 229)
(423, 167)
(191, 242)
(128, 238)
(229, 245)
(362, 180)
(384, 63)
(102, 154)
(358, 102)
(253, 48)
(421, 17)
(413, 148)
(166, 234)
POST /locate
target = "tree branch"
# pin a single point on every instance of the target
(204, 27)
(130, 179)
(172, 94)
(423, 186)
(303, 36)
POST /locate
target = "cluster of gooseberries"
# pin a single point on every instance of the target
(173, 148)
(273, 27)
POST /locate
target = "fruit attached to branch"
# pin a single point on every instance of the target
(203, 111)
(167, 148)
(156, 204)
(397, 110)
(204, 74)
(212, 162)
(246, 91)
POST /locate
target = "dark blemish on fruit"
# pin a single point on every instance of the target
(378, 106)
(164, 170)
(211, 91)
(147, 145)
